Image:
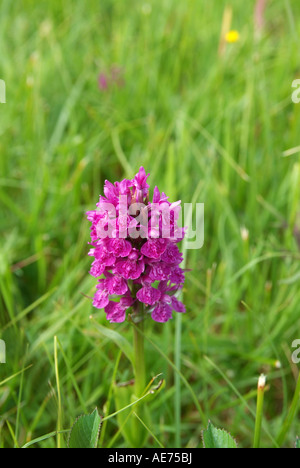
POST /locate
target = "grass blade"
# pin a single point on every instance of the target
(259, 410)
(59, 408)
(291, 414)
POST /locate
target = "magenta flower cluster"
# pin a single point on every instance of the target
(114, 77)
(135, 249)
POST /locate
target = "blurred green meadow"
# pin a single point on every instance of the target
(94, 90)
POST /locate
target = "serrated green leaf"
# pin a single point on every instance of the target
(85, 431)
(217, 438)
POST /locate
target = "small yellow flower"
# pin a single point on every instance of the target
(232, 36)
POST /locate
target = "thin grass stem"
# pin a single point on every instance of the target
(259, 410)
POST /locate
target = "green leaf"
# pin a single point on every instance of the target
(118, 339)
(217, 438)
(297, 443)
(85, 431)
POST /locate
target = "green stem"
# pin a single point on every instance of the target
(59, 425)
(177, 362)
(139, 357)
(259, 410)
(140, 434)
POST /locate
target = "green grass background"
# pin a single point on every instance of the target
(210, 129)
